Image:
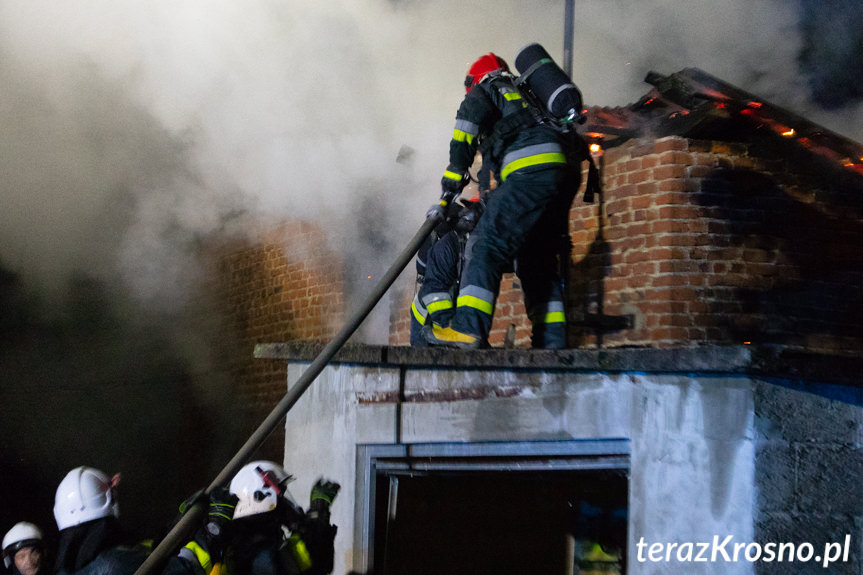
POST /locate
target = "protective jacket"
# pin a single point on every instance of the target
(523, 146)
(96, 548)
(526, 217)
(259, 546)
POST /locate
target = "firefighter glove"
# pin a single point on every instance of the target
(469, 216)
(221, 510)
(322, 495)
(438, 210)
(211, 538)
(452, 183)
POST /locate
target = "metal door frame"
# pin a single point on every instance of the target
(374, 459)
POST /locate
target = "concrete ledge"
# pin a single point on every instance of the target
(761, 361)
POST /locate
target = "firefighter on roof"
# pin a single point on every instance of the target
(439, 264)
(523, 217)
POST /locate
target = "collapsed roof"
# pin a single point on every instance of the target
(694, 104)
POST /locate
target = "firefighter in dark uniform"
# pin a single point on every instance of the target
(92, 541)
(439, 263)
(523, 217)
(270, 533)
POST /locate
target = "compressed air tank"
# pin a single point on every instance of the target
(548, 82)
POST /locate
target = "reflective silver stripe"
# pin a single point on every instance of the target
(467, 127)
(536, 149)
(479, 292)
(433, 297)
(418, 305)
(477, 298)
(555, 94)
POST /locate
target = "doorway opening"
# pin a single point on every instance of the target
(526, 507)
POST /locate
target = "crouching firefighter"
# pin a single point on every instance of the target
(524, 216)
(440, 262)
(270, 533)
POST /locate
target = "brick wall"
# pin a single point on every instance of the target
(699, 242)
(287, 286)
(710, 243)
(706, 242)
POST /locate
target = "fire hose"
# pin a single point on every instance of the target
(179, 534)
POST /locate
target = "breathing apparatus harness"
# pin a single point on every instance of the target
(550, 99)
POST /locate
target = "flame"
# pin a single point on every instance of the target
(595, 148)
(754, 104)
(788, 133)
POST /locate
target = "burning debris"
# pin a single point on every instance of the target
(695, 104)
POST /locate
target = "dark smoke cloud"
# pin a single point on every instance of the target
(832, 55)
(155, 126)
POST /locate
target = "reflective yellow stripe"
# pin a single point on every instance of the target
(202, 556)
(512, 96)
(439, 305)
(453, 176)
(476, 303)
(300, 552)
(460, 136)
(550, 158)
(419, 317)
(554, 317)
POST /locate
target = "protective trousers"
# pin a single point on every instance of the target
(524, 219)
(434, 300)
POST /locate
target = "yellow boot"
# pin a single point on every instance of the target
(447, 336)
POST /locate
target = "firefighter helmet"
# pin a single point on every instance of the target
(85, 494)
(21, 535)
(479, 70)
(258, 486)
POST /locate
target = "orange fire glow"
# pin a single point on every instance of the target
(788, 133)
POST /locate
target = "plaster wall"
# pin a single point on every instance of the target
(692, 438)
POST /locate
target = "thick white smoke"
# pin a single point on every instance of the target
(132, 129)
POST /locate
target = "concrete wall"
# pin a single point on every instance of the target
(685, 482)
(712, 453)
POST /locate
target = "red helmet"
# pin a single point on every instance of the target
(484, 66)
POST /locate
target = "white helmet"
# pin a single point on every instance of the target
(21, 535)
(85, 494)
(258, 486)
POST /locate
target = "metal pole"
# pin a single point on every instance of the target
(180, 532)
(568, 14)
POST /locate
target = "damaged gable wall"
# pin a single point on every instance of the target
(704, 242)
(700, 243)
